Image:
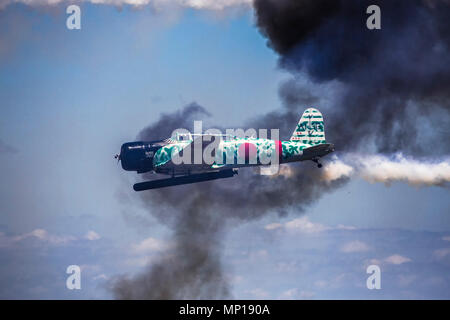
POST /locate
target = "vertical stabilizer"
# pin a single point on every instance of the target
(310, 129)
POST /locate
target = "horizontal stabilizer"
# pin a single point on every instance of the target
(319, 150)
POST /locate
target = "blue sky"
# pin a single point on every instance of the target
(70, 98)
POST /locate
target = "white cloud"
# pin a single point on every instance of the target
(446, 238)
(285, 267)
(397, 259)
(373, 261)
(321, 283)
(355, 246)
(295, 294)
(306, 294)
(343, 227)
(39, 235)
(149, 245)
(43, 236)
(100, 277)
(90, 269)
(234, 279)
(259, 293)
(273, 226)
(92, 235)
(216, 5)
(290, 294)
(304, 225)
(335, 282)
(393, 259)
(441, 253)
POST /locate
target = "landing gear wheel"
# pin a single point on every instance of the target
(316, 160)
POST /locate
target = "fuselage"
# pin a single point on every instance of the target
(160, 156)
(191, 158)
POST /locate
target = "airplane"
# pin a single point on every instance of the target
(231, 153)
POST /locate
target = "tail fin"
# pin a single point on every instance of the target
(310, 129)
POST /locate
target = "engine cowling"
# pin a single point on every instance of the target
(138, 156)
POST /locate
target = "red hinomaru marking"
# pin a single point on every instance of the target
(247, 151)
(279, 149)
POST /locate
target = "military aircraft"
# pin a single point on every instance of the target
(230, 153)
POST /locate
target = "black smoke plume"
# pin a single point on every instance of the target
(395, 82)
(199, 214)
